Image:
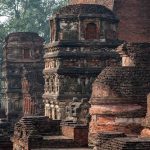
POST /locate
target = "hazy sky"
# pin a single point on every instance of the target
(2, 18)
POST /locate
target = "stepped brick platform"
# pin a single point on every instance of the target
(119, 141)
(128, 144)
(104, 138)
(5, 143)
(41, 132)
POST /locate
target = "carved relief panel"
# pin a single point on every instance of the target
(51, 63)
(52, 84)
(76, 85)
(79, 63)
(68, 30)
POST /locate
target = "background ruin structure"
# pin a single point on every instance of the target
(22, 49)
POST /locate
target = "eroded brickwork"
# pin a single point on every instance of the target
(5, 143)
(119, 141)
(41, 132)
(119, 93)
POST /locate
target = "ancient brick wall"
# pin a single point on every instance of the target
(134, 20)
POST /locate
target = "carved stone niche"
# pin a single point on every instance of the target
(78, 111)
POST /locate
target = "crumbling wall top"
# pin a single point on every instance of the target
(80, 9)
(23, 37)
(138, 52)
(107, 3)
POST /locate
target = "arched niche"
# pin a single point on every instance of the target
(91, 31)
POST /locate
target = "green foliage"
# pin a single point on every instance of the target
(27, 16)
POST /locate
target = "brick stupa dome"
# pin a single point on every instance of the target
(119, 93)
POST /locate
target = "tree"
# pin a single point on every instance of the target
(27, 16)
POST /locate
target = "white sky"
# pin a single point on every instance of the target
(3, 19)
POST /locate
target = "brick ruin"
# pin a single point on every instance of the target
(82, 63)
(83, 39)
(41, 132)
(21, 50)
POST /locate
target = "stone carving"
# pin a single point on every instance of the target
(78, 111)
(52, 110)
